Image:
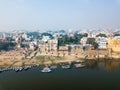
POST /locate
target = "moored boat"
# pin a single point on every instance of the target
(66, 66)
(20, 68)
(46, 69)
(79, 65)
(27, 67)
(53, 66)
(17, 69)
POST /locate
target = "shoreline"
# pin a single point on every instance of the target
(15, 58)
(34, 62)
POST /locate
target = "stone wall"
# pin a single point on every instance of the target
(114, 44)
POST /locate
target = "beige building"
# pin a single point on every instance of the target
(114, 44)
(50, 45)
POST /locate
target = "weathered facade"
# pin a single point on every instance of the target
(114, 44)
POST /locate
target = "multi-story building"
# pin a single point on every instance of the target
(102, 42)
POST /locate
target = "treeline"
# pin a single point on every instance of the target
(101, 35)
(7, 45)
(71, 40)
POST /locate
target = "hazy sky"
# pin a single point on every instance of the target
(58, 14)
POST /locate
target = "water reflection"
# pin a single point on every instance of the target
(106, 65)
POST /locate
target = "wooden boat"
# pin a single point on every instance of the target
(66, 66)
(27, 67)
(46, 69)
(18, 69)
(79, 65)
(53, 66)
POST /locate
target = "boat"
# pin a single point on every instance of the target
(27, 67)
(37, 65)
(46, 69)
(66, 66)
(1, 70)
(18, 69)
(79, 65)
(53, 66)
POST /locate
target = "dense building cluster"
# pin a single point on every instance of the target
(55, 40)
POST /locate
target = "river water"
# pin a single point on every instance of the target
(97, 75)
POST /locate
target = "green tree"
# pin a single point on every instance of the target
(117, 34)
(101, 35)
(6, 45)
(95, 45)
(47, 34)
(92, 42)
(71, 40)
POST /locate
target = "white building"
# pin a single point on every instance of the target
(24, 36)
(93, 35)
(117, 37)
(45, 38)
(83, 41)
(31, 45)
(102, 42)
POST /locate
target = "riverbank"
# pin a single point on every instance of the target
(43, 60)
(16, 58)
(40, 59)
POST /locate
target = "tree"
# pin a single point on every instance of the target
(85, 35)
(47, 34)
(95, 45)
(6, 45)
(69, 48)
(92, 42)
(34, 34)
(101, 35)
(117, 34)
(62, 31)
(71, 40)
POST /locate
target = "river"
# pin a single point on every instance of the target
(97, 75)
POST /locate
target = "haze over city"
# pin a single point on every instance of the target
(58, 14)
(59, 44)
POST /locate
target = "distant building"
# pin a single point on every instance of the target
(93, 35)
(31, 46)
(89, 35)
(2, 37)
(83, 41)
(102, 42)
(24, 36)
(53, 44)
(48, 44)
(45, 38)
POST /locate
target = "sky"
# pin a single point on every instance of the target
(58, 14)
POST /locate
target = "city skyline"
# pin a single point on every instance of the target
(58, 14)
